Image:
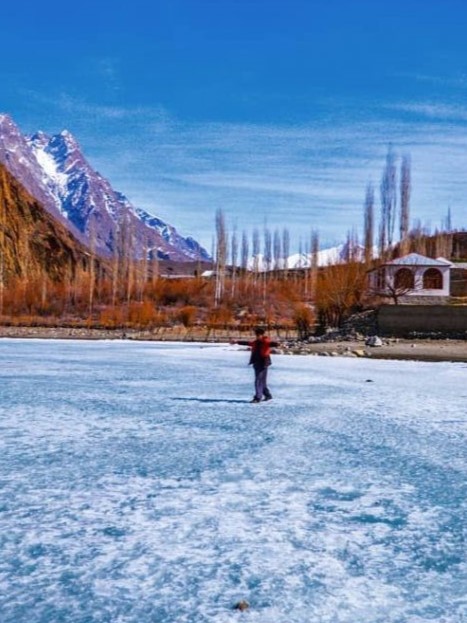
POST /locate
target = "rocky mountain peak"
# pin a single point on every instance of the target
(10, 134)
(40, 139)
(69, 140)
(6, 122)
(55, 171)
(62, 146)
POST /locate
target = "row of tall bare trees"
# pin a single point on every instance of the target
(272, 252)
(390, 208)
(395, 194)
(263, 254)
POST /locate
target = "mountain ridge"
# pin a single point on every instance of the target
(55, 171)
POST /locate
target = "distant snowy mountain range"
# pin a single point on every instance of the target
(326, 257)
(333, 255)
(55, 172)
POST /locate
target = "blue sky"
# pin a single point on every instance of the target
(272, 111)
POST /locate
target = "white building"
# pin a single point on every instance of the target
(412, 275)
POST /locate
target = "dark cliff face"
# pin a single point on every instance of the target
(33, 243)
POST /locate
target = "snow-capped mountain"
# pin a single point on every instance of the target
(54, 170)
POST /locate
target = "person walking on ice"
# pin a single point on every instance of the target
(260, 359)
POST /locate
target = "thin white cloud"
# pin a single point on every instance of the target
(75, 105)
(82, 109)
(449, 112)
(458, 81)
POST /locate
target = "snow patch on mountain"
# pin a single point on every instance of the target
(52, 174)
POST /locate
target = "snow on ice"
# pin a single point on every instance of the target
(137, 485)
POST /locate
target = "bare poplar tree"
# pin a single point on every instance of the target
(221, 255)
(244, 256)
(300, 252)
(276, 249)
(447, 221)
(267, 260)
(155, 265)
(92, 257)
(351, 250)
(245, 251)
(144, 269)
(388, 202)
(130, 260)
(124, 260)
(213, 252)
(267, 249)
(297, 273)
(115, 263)
(369, 222)
(234, 257)
(101, 273)
(255, 251)
(405, 188)
(285, 250)
(314, 243)
(307, 266)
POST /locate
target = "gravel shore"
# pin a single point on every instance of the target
(415, 350)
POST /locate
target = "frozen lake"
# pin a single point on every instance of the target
(137, 485)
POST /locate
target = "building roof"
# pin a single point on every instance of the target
(415, 259)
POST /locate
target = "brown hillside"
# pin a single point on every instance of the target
(32, 243)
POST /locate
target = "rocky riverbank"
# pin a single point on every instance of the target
(416, 350)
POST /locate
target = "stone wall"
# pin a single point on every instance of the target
(436, 320)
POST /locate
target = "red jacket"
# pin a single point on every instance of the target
(260, 352)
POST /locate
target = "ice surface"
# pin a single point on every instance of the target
(137, 485)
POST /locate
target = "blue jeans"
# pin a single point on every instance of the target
(261, 383)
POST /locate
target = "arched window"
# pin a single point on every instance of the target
(404, 279)
(432, 279)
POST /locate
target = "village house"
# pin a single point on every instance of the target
(412, 275)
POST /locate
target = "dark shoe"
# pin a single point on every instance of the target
(255, 400)
(268, 397)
